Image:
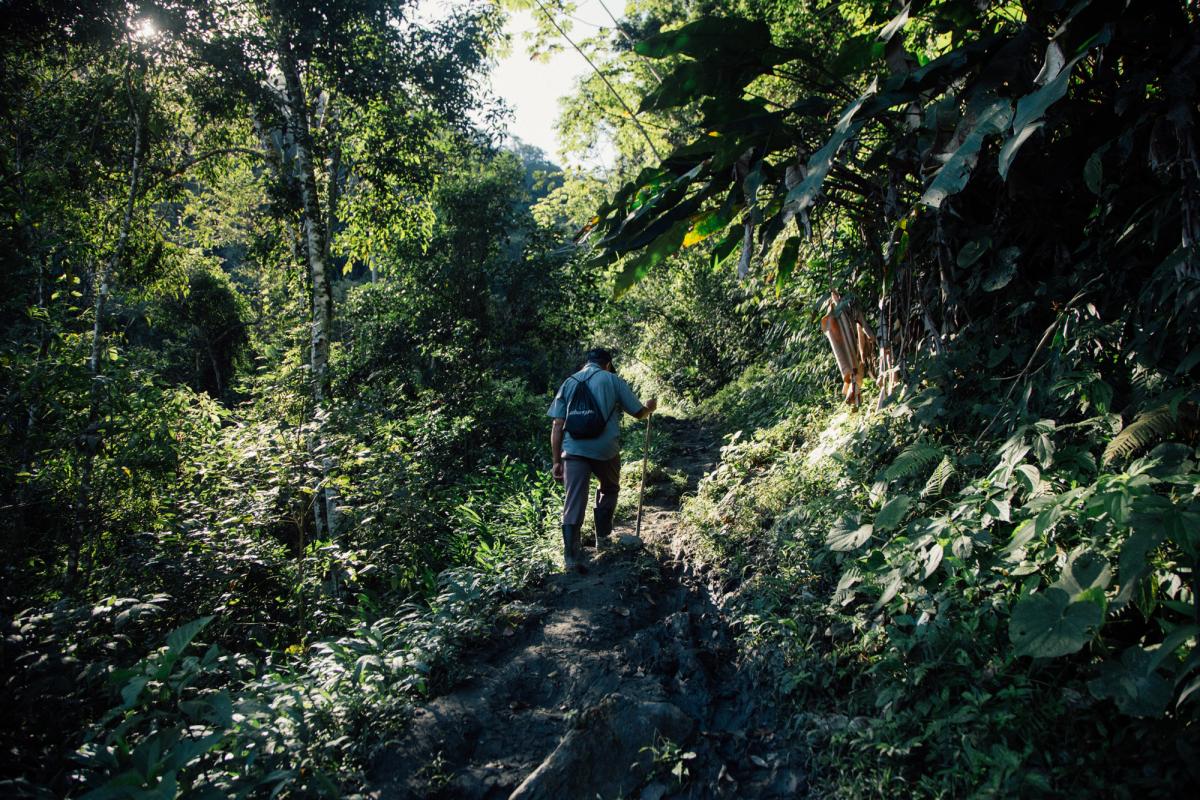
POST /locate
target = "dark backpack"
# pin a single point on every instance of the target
(584, 418)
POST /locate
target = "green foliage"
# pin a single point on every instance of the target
(154, 218)
(1134, 683)
(997, 548)
(850, 533)
(908, 160)
(215, 586)
(203, 333)
(939, 478)
(670, 760)
(1052, 623)
(894, 637)
(912, 459)
(1152, 425)
(220, 723)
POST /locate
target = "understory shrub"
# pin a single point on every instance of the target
(198, 719)
(991, 615)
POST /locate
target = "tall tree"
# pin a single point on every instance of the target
(312, 76)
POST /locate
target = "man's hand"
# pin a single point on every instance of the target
(648, 408)
(557, 471)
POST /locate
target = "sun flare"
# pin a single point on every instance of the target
(144, 29)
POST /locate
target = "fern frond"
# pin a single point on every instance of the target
(1151, 426)
(1146, 384)
(845, 588)
(942, 473)
(912, 459)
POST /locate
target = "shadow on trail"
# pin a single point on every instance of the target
(621, 674)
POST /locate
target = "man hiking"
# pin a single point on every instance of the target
(585, 439)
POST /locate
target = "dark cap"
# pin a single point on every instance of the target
(598, 355)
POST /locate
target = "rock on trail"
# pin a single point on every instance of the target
(626, 687)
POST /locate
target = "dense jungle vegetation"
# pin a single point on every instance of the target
(283, 312)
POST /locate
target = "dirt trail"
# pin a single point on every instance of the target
(630, 661)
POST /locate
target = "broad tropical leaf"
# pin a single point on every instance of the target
(1086, 573)
(1049, 624)
(640, 265)
(893, 512)
(700, 39)
(181, 637)
(956, 171)
(1133, 684)
(805, 193)
(850, 533)
(1003, 270)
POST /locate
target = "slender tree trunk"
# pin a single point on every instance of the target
(43, 328)
(314, 225)
(328, 497)
(333, 185)
(316, 249)
(90, 439)
(216, 368)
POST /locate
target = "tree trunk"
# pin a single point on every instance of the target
(316, 251)
(90, 439)
(314, 224)
(216, 368)
(25, 437)
(328, 496)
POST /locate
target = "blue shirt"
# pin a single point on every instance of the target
(609, 391)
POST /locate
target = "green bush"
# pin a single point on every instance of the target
(189, 719)
(964, 618)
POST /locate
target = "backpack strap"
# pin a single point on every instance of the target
(616, 400)
(585, 380)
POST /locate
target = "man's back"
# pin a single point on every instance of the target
(578, 459)
(609, 391)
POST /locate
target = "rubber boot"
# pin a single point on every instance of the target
(572, 555)
(604, 526)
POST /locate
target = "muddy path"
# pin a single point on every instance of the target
(624, 685)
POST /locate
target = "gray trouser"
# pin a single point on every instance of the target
(577, 472)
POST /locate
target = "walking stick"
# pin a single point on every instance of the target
(642, 488)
